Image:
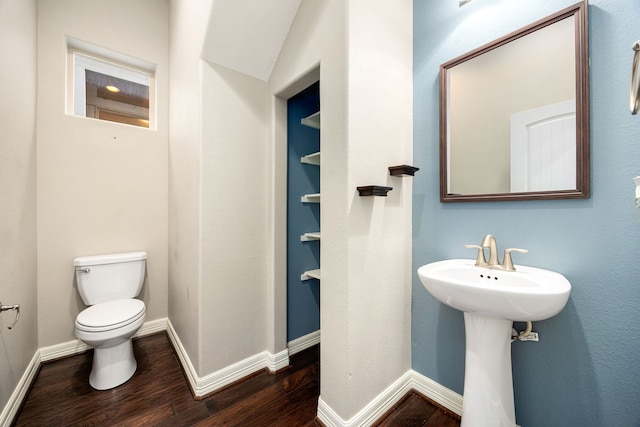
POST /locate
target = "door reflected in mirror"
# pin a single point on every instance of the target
(514, 115)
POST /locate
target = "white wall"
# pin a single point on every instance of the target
(234, 217)
(218, 201)
(380, 127)
(102, 186)
(364, 52)
(17, 190)
(188, 26)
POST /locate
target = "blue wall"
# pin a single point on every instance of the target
(584, 370)
(303, 297)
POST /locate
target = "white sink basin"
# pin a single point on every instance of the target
(526, 294)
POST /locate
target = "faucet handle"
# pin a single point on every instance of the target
(507, 262)
(481, 261)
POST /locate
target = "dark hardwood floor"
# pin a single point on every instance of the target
(158, 395)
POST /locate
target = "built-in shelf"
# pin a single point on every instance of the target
(403, 170)
(374, 190)
(310, 274)
(313, 121)
(307, 237)
(311, 159)
(310, 198)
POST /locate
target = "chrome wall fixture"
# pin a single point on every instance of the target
(14, 307)
(634, 95)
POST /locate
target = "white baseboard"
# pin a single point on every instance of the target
(370, 413)
(304, 342)
(183, 357)
(328, 417)
(201, 386)
(277, 361)
(64, 349)
(151, 327)
(436, 392)
(12, 407)
(382, 403)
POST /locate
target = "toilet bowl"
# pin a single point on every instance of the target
(108, 327)
(109, 284)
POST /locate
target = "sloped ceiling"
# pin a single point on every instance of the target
(247, 35)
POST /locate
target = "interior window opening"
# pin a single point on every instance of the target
(107, 90)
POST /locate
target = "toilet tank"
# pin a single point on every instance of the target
(103, 278)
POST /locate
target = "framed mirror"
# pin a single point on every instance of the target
(514, 115)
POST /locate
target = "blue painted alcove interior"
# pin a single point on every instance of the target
(303, 297)
(583, 372)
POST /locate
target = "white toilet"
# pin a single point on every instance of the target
(109, 285)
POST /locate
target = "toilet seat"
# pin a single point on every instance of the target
(110, 315)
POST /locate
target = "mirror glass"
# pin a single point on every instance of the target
(514, 115)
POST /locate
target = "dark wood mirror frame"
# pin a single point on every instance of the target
(579, 12)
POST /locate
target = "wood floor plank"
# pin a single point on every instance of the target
(230, 396)
(302, 411)
(441, 419)
(245, 407)
(413, 411)
(187, 417)
(116, 416)
(298, 378)
(273, 414)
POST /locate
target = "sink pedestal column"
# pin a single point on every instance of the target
(488, 383)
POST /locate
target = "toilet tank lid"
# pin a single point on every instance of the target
(109, 258)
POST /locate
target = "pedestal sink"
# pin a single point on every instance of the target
(491, 300)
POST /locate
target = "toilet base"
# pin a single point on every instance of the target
(112, 366)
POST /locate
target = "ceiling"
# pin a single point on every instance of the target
(247, 35)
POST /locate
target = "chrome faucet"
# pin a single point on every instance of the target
(489, 242)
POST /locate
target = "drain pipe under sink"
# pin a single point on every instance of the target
(522, 335)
